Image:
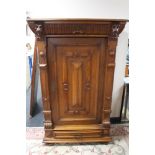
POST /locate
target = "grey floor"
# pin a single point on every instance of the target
(37, 119)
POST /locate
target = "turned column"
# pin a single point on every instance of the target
(116, 28)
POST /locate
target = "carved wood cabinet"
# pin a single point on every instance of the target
(76, 60)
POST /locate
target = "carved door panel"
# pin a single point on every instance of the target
(74, 65)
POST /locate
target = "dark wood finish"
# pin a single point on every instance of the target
(77, 60)
(77, 68)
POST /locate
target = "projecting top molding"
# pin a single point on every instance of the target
(77, 27)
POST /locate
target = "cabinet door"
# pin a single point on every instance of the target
(76, 67)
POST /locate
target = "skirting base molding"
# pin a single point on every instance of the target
(84, 140)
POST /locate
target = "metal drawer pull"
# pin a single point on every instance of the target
(78, 32)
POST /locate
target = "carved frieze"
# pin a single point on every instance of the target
(105, 28)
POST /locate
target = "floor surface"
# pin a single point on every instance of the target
(118, 146)
(37, 119)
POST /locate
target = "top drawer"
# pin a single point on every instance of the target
(76, 29)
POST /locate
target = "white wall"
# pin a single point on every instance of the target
(114, 9)
(119, 74)
(79, 8)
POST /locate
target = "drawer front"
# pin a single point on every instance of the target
(77, 29)
(78, 134)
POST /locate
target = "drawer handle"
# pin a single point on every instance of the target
(78, 32)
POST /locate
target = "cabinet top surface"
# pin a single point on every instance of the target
(76, 19)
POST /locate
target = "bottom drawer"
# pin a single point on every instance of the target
(77, 134)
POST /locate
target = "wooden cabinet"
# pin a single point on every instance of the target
(77, 60)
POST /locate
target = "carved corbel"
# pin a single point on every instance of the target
(115, 30)
(38, 31)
